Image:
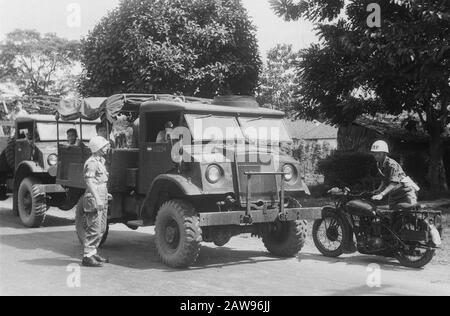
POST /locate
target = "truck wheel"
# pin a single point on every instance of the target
(10, 153)
(287, 240)
(31, 204)
(178, 234)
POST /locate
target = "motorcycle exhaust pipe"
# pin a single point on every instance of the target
(435, 235)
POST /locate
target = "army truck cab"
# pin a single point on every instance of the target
(28, 165)
(217, 172)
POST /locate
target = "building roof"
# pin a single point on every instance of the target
(391, 126)
(309, 130)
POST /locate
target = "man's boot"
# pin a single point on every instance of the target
(100, 259)
(91, 262)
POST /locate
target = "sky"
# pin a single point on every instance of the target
(60, 17)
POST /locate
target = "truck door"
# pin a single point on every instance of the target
(24, 141)
(154, 158)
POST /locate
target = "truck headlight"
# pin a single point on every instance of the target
(52, 160)
(290, 173)
(214, 173)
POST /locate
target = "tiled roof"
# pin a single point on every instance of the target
(302, 129)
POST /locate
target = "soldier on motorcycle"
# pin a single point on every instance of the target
(400, 189)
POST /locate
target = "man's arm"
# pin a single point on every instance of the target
(93, 190)
(391, 186)
(89, 176)
(380, 188)
(389, 189)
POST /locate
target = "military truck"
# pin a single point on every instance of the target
(28, 166)
(210, 179)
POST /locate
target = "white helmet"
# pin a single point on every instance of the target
(97, 143)
(380, 147)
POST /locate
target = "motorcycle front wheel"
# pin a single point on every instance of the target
(330, 235)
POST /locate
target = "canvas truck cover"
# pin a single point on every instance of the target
(88, 109)
(94, 108)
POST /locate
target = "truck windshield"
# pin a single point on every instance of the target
(48, 131)
(265, 130)
(207, 128)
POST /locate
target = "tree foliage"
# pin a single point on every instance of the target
(38, 64)
(402, 66)
(194, 47)
(277, 81)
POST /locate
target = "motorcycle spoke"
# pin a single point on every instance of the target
(323, 237)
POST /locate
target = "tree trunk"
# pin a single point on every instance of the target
(436, 172)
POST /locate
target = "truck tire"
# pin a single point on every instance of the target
(10, 153)
(31, 204)
(287, 240)
(178, 234)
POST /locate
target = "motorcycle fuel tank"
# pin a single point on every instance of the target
(361, 208)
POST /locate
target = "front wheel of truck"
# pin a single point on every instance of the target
(31, 203)
(178, 234)
(286, 239)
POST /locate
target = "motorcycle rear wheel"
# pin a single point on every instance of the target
(330, 235)
(415, 261)
(417, 257)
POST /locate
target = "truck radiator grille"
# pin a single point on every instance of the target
(262, 188)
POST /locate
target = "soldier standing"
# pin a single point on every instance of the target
(92, 210)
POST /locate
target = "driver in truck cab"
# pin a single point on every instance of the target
(397, 186)
(165, 135)
(72, 137)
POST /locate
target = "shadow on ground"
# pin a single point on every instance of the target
(389, 264)
(130, 249)
(9, 220)
(137, 250)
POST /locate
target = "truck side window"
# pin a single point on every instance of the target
(155, 123)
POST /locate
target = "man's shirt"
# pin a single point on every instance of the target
(391, 171)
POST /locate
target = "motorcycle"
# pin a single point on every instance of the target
(409, 234)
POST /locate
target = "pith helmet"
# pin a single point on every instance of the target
(380, 147)
(97, 143)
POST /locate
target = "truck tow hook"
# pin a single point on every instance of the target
(247, 220)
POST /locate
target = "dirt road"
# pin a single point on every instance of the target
(46, 261)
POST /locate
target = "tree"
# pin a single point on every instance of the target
(38, 65)
(193, 47)
(278, 78)
(403, 66)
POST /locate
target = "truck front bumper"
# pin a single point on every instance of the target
(259, 216)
